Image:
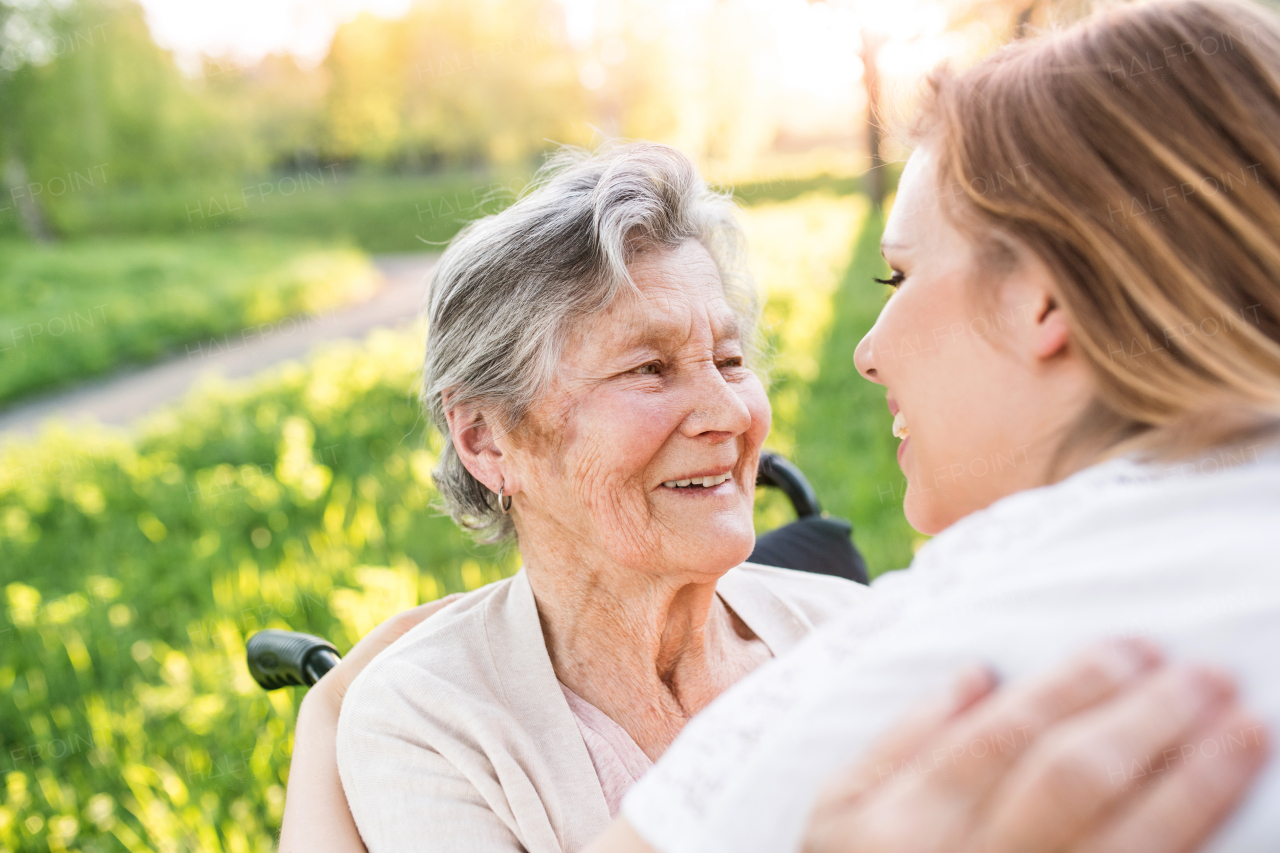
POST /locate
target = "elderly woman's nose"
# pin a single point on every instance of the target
(715, 406)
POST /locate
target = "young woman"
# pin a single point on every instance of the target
(1082, 355)
(1018, 290)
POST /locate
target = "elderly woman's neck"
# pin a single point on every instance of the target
(650, 651)
(664, 618)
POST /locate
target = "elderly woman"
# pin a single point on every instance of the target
(589, 363)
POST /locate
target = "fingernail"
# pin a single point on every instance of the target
(1208, 686)
(1134, 656)
(972, 684)
(1253, 731)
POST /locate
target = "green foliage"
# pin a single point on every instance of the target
(449, 85)
(81, 310)
(765, 191)
(391, 141)
(488, 81)
(133, 574)
(97, 90)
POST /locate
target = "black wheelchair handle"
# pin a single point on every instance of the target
(778, 471)
(287, 658)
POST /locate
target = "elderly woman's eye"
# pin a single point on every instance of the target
(734, 361)
(652, 368)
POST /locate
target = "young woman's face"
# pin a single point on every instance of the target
(976, 362)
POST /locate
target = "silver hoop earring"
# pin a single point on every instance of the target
(505, 507)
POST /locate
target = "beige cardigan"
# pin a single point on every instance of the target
(458, 738)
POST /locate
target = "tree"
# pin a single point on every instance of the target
(1002, 19)
(487, 81)
(87, 97)
(873, 41)
(24, 32)
(874, 180)
(1015, 19)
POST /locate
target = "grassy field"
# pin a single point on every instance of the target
(68, 312)
(844, 435)
(133, 570)
(816, 259)
(161, 271)
(376, 212)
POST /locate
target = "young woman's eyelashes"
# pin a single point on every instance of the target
(893, 281)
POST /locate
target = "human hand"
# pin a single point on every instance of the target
(1034, 767)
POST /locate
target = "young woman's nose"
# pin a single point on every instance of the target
(864, 357)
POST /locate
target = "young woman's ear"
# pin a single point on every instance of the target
(1030, 295)
(1049, 333)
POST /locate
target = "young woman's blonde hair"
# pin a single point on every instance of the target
(1138, 154)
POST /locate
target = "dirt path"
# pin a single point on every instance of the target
(121, 398)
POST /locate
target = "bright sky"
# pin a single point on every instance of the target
(777, 64)
(247, 30)
(798, 60)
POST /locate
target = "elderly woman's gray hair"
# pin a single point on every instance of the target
(509, 289)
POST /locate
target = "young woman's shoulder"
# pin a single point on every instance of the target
(812, 597)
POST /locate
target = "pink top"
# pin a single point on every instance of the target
(619, 763)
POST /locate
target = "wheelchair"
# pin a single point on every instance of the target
(814, 542)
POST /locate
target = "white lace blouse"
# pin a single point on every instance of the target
(1188, 555)
(460, 738)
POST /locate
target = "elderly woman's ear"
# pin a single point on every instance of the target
(481, 444)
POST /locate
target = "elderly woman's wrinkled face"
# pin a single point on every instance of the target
(645, 450)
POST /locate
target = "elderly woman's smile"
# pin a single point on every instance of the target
(657, 424)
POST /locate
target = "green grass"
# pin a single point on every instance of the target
(791, 187)
(799, 250)
(815, 259)
(377, 212)
(133, 570)
(843, 436)
(69, 312)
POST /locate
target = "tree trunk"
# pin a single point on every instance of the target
(1023, 21)
(30, 215)
(874, 180)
